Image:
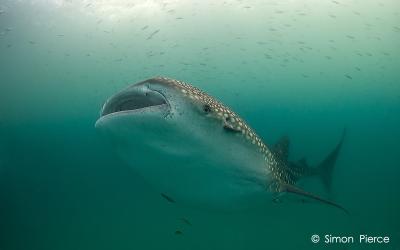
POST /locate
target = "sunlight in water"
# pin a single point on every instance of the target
(110, 9)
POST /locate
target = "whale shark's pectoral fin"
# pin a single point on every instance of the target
(284, 187)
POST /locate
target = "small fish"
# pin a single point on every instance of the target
(145, 27)
(267, 56)
(152, 34)
(178, 232)
(348, 76)
(167, 198)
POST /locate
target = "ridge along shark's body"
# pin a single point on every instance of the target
(195, 149)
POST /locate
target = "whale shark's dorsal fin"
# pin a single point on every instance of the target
(284, 187)
(281, 149)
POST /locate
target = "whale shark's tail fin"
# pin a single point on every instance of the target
(325, 169)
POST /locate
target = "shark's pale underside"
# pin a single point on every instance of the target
(197, 150)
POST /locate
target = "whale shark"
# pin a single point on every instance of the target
(190, 146)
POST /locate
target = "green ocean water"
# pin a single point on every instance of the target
(306, 69)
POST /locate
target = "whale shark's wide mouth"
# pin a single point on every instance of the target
(132, 101)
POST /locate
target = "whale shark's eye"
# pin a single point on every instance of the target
(207, 108)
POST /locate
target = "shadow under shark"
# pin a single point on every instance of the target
(193, 148)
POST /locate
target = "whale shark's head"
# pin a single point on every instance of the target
(177, 136)
(171, 100)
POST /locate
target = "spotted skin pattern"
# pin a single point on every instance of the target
(280, 172)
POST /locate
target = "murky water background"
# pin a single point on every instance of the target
(302, 68)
